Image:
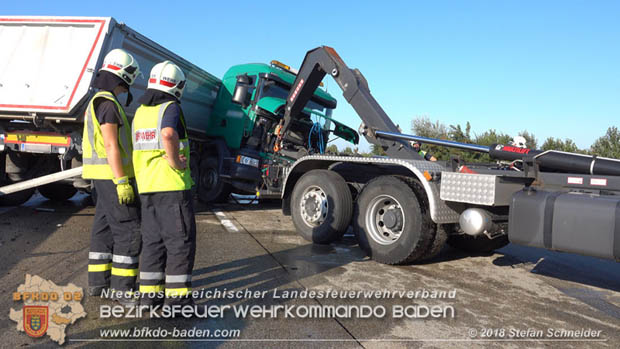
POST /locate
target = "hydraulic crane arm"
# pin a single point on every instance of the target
(322, 60)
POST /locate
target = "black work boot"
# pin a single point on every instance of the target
(126, 298)
(95, 291)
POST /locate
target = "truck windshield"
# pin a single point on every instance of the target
(277, 90)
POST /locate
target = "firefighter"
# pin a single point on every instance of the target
(426, 155)
(519, 142)
(161, 160)
(107, 151)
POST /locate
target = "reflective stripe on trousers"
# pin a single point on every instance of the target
(169, 242)
(115, 241)
(124, 265)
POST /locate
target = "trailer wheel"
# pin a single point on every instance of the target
(211, 188)
(321, 206)
(57, 192)
(15, 199)
(477, 244)
(392, 221)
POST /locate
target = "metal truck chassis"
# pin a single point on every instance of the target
(440, 212)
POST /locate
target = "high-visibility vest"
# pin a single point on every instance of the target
(153, 173)
(94, 157)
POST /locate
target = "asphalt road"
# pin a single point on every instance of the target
(510, 295)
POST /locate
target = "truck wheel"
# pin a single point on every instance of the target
(392, 221)
(477, 244)
(15, 199)
(211, 188)
(194, 170)
(57, 192)
(92, 197)
(439, 240)
(321, 206)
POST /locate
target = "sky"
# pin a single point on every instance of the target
(549, 67)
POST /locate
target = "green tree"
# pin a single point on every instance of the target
(608, 145)
(347, 151)
(530, 140)
(377, 150)
(563, 145)
(424, 127)
(492, 137)
(458, 135)
(332, 149)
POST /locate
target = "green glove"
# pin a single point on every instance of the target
(124, 190)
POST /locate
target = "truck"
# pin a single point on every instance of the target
(263, 129)
(48, 65)
(404, 209)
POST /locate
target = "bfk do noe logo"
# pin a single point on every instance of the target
(48, 309)
(36, 319)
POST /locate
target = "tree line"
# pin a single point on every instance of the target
(608, 145)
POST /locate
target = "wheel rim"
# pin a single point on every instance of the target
(210, 178)
(385, 219)
(314, 206)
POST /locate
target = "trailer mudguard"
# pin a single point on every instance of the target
(440, 212)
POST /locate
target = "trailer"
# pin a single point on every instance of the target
(48, 65)
(404, 209)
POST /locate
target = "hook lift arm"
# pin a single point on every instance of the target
(323, 60)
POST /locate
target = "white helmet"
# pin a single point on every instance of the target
(167, 77)
(121, 64)
(519, 141)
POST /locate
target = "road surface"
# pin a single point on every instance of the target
(516, 297)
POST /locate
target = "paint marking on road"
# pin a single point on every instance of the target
(227, 223)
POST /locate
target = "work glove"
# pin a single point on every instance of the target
(124, 190)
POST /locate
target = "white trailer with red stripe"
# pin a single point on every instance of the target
(47, 67)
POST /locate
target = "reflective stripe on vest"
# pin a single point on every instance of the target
(96, 163)
(153, 173)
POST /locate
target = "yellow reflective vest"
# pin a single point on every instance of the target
(153, 173)
(94, 157)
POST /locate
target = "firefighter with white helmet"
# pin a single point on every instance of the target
(107, 152)
(519, 142)
(161, 161)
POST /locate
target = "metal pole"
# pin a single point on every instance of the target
(435, 141)
(39, 181)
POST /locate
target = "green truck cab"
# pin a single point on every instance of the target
(246, 156)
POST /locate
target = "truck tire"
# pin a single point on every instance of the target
(92, 198)
(439, 241)
(15, 199)
(477, 244)
(392, 221)
(57, 192)
(321, 206)
(211, 188)
(194, 170)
